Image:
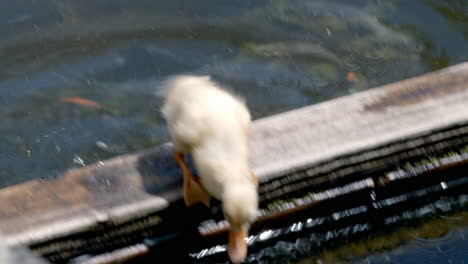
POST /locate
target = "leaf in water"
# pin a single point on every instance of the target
(350, 76)
(80, 101)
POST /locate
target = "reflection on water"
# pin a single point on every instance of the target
(279, 54)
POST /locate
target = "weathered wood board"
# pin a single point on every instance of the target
(18, 255)
(310, 135)
(133, 186)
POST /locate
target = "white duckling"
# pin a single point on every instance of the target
(213, 125)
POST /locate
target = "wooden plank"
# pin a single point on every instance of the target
(18, 255)
(129, 187)
(310, 135)
(108, 192)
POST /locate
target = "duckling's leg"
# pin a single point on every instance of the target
(237, 246)
(193, 190)
(255, 180)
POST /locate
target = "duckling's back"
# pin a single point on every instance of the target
(197, 111)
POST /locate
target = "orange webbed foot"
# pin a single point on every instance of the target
(193, 190)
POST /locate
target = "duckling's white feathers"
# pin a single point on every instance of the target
(196, 108)
(240, 203)
(213, 125)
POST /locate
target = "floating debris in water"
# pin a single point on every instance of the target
(78, 160)
(80, 101)
(102, 145)
(350, 77)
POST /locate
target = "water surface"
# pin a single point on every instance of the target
(278, 54)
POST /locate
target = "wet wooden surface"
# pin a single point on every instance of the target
(18, 255)
(308, 136)
(112, 191)
(131, 186)
(21, 255)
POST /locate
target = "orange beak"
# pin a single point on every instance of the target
(237, 247)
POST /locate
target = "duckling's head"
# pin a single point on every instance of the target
(240, 205)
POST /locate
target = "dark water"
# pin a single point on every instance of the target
(280, 55)
(450, 248)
